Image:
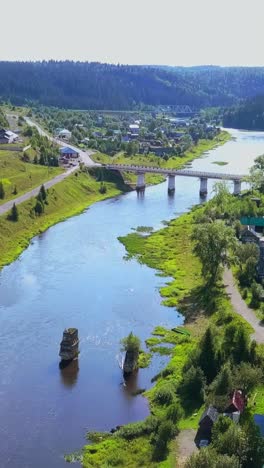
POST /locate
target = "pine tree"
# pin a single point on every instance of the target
(208, 361)
(2, 190)
(39, 207)
(15, 190)
(43, 192)
(14, 213)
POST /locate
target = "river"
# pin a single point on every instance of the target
(75, 275)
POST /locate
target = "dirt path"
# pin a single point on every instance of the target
(242, 308)
(186, 446)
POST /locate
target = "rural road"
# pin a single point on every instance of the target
(34, 192)
(84, 155)
(85, 159)
(242, 308)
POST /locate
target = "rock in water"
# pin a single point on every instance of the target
(131, 362)
(69, 347)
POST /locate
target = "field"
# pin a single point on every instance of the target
(23, 176)
(65, 199)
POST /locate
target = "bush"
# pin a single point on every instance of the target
(130, 431)
(160, 440)
(174, 412)
(165, 394)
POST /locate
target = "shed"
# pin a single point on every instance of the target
(208, 418)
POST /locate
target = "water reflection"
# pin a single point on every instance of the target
(69, 373)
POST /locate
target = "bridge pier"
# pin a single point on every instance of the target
(171, 184)
(237, 187)
(203, 186)
(141, 181)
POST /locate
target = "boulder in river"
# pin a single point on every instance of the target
(131, 362)
(69, 347)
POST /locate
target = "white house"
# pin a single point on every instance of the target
(63, 134)
(134, 129)
(6, 136)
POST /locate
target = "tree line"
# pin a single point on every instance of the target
(84, 85)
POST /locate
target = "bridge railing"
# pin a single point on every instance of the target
(179, 172)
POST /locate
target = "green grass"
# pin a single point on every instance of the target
(170, 251)
(24, 176)
(65, 199)
(220, 163)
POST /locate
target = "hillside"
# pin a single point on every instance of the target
(102, 86)
(248, 115)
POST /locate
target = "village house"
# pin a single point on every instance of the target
(211, 414)
(134, 129)
(68, 153)
(63, 134)
(250, 235)
(6, 136)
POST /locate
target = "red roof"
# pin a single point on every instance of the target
(238, 400)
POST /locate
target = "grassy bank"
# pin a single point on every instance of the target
(65, 199)
(170, 252)
(24, 176)
(175, 162)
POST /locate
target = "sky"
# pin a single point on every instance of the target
(163, 32)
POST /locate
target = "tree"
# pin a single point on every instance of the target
(193, 384)
(231, 441)
(165, 432)
(223, 383)
(131, 343)
(15, 190)
(43, 193)
(241, 345)
(2, 190)
(247, 377)
(39, 207)
(247, 256)
(208, 355)
(14, 213)
(209, 458)
(257, 294)
(212, 245)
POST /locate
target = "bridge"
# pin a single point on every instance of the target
(172, 173)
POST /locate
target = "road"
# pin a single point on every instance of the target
(85, 156)
(34, 192)
(85, 159)
(242, 308)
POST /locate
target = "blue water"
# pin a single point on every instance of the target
(75, 275)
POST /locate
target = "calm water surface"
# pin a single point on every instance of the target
(75, 275)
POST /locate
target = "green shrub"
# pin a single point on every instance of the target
(165, 394)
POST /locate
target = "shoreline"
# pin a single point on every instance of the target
(32, 227)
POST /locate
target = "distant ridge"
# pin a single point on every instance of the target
(84, 85)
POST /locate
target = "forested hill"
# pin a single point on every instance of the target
(101, 86)
(248, 115)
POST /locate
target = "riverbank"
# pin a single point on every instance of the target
(175, 162)
(169, 251)
(66, 199)
(72, 196)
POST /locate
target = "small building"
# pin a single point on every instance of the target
(249, 235)
(68, 153)
(208, 418)
(134, 129)
(85, 140)
(63, 134)
(7, 136)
